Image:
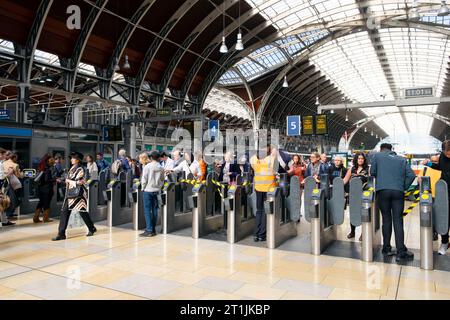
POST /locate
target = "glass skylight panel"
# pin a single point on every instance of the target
(46, 57)
(416, 57)
(230, 77)
(7, 46)
(225, 102)
(355, 70)
(86, 68)
(250, 69)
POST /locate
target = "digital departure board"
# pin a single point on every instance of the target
(321, 124)
(307, 125)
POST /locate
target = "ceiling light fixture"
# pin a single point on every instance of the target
(116, 66)
(239, 43)
(285, 83)
(43, 109)
(346, 117)
(332, 111)
(371, 133)
(223, 47)
(317, 101)
(414, 12)
(365, 129)
(126, 64)
(443, 11)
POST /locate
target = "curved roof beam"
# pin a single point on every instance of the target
(83, 38)
(125, 38)
(34, 35)
(156, 44)
(202, 26)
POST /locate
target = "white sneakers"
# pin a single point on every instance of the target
(443, 249)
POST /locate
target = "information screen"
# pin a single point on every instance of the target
(307, 125)
(321, 124)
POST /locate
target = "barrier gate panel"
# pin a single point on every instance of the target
(294, 200)
(440, 208)
(336, 205)
(355, 201)
(310, 185)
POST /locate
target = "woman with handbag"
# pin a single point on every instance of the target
(13, 174)
(45, 179)
(76, 197)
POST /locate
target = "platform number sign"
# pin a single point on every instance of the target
(294, 126)
(213, 128)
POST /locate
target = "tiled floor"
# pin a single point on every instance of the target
(117, 264)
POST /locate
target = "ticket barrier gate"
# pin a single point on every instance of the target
(117, 212)
(173, 220)
(202, 224)
(137, 205)
(433, 215)
(97, 212)
(30, 196)
(240, 223)
(324, 209)
(280, 201)
(364, 212)
(103, 180)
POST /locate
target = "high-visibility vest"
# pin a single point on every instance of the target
(264, 178)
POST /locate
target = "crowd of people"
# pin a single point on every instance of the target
(392, 172)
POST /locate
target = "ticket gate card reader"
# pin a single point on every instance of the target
(238, 225)
(433, 215)
(116, 213)
(201, 223)
(279, 228)
(97, 212)
(137, 206)
(370, 227)
(171, 220)
(325, 210)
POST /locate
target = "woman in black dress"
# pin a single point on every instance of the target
(47, 170)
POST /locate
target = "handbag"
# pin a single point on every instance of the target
(14, 182)
(74, 192)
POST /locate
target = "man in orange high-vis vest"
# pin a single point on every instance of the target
(263, 180)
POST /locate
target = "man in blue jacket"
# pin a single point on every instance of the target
(393, 176)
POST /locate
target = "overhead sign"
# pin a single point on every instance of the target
(5, 114)
(419, 92)
(307, 125)
(163, 112)
(213, 127)
(294, 125)
(321, 124)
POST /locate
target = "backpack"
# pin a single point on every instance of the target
(116, 167)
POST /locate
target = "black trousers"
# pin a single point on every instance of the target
(444, 237)
(64, 220)
(260, 228)
(45, 195)
(392, 204)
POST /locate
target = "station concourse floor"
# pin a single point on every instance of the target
(118, 264)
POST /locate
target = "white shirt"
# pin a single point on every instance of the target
(182, 166)
(93, 170)
(195, 168)
(169, 164)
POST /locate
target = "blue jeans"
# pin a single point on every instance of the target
(150, 210)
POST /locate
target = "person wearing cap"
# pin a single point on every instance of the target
(102, 164)
(75, 178)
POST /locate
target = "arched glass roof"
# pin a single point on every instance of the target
(227, 103)
(375, 63)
